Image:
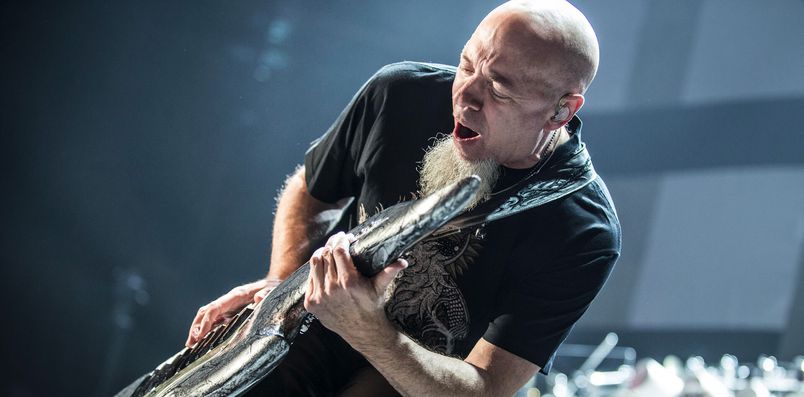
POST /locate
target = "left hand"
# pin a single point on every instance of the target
(344, 300)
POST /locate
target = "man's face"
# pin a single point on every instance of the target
(500, 98)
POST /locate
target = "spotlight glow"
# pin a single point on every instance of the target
(768, 363)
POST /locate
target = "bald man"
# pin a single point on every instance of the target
(475, 313)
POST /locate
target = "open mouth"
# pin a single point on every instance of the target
(463, 132)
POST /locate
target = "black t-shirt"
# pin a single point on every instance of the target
(520, 282)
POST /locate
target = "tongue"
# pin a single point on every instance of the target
(463, 132)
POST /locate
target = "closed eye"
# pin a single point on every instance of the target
(496, 94)
(465, 64)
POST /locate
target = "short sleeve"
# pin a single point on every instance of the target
(371, 149)
(542, 314)
(331, 161)
(540, 302)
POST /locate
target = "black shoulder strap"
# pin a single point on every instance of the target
(552, 183)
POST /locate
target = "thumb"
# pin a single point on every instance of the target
(383, 278)
(261, 294)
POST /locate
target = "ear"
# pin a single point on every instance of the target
(567, 106)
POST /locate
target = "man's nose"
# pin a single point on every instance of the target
(471, 93)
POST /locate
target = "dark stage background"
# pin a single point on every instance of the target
(144, 143)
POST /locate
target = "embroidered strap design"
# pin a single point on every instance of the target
(551, 184)
(545, 191)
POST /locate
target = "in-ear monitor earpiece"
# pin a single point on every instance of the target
(561, 113)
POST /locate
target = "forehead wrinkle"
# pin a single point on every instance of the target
(512, 52)
(480, 55)
(496, 50)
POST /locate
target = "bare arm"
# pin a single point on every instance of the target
(300, 220)
(415, 371)
(352, 306)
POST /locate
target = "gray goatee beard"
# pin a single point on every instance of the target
(442, 166)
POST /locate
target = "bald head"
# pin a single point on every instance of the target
(521, 76)
(554, 38)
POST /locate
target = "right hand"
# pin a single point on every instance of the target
(225, 307)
